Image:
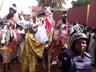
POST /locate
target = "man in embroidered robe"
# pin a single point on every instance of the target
(32, 50)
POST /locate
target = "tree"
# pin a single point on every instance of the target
(52, 3)
(80, 3)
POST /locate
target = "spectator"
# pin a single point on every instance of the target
(76, 59)
(92, 45)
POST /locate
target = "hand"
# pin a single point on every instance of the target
(40, 42)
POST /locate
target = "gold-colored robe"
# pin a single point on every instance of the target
(31, 51)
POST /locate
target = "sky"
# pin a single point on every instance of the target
(68, 4)
(21, 5)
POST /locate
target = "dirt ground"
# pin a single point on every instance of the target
(94, 69)
(17, 68)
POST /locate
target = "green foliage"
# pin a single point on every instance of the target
(80, 3)
(52, 3)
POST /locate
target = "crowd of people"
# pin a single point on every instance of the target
(64, 46)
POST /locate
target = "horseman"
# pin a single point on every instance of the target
(5, 50)
(50, 23)
(40, 24)
(63, 24)
(59, 40)
(9, 18)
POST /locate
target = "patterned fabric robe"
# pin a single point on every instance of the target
(32, 50)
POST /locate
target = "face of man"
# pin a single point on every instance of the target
(80, 45)
(33, 30)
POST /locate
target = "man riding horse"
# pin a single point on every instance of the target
(5, 49)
